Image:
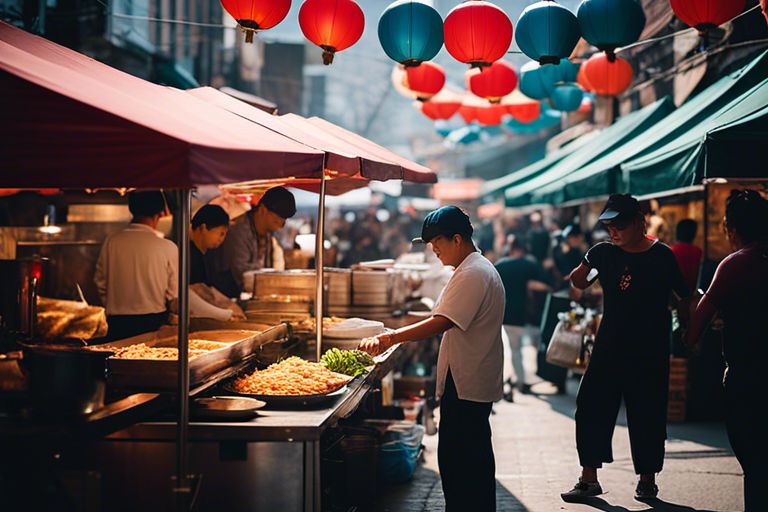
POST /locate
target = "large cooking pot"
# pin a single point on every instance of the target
(64, 380)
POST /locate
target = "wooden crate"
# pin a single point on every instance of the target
(678, 389)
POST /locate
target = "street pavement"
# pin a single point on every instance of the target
(536, 460)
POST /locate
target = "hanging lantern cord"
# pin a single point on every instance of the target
(328, 53)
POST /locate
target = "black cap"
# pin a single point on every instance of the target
(445, 221)
(280, 201)
(622, 206)
(571, 230)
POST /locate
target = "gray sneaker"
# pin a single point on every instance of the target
(581, 491)
(646, 491)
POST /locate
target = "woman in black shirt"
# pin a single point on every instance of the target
(630, 360)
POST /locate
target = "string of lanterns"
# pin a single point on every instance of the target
(479, 33)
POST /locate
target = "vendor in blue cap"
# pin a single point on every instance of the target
(468, 313)
(630, 359)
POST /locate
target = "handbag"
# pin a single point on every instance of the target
(565, 346)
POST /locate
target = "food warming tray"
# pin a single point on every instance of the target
(163, 374)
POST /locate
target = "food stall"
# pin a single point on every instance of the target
(95, 118)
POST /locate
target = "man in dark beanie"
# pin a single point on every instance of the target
(250, 244)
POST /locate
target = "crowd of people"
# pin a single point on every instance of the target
(640, 277)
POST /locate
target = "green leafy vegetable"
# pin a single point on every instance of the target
(348, 362)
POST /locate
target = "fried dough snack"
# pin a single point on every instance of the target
(293, 376)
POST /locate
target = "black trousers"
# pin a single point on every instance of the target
(643, 384)
(465, 453)
(747, 423)
(126, 326)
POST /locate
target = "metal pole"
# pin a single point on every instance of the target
(182, 486)
(319, 292)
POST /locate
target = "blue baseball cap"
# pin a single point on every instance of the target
(446, 221)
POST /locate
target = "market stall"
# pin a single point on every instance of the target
(93, 118)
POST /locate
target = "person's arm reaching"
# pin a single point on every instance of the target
(425, 329)
(539, 286)
(580, 277)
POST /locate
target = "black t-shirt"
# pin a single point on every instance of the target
(197, 271)
(636, 290)
(515, 274)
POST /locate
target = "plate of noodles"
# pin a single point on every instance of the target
(292, 382)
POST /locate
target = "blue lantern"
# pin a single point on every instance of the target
(609, 24)
(567, 97)
(547, 32)
(538, 81)
(567, 71)
(410, 32)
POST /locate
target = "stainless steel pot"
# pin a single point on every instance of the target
(64, 380)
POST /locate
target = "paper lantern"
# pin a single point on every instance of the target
(606, 76)
(525, 112)
(333, 25)
(490, 115)
(567, 97)
(439, 110)
(493, 82)
(256, 15)
(410, 32)
(581, 79)
(425, 80)
(537, 81)
(567, 71)
(477, 33)
(609, 24)
(547, 32)
(707, 14)
(468, 113)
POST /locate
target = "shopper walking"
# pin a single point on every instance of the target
(630, 359)
(738, 292)
(468, 313)
(520, 275)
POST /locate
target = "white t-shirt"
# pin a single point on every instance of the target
(137, 271)
(473, 300)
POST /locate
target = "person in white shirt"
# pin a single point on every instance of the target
(137, 271)
(469, 314)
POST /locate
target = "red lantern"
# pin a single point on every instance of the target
(607, 77)
(706, 14)
(333, 25)
(426, 79)
(491, 115)
(581, 79)
(255, 15)
(477, 33)
(439, 109)
(525, 112)
(493, 82)
(468, 113)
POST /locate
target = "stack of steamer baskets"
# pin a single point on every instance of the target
(288, 296)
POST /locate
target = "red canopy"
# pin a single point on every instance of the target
(341, 158)
(69, 121)
(411, 171)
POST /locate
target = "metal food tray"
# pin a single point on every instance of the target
(163, 374)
